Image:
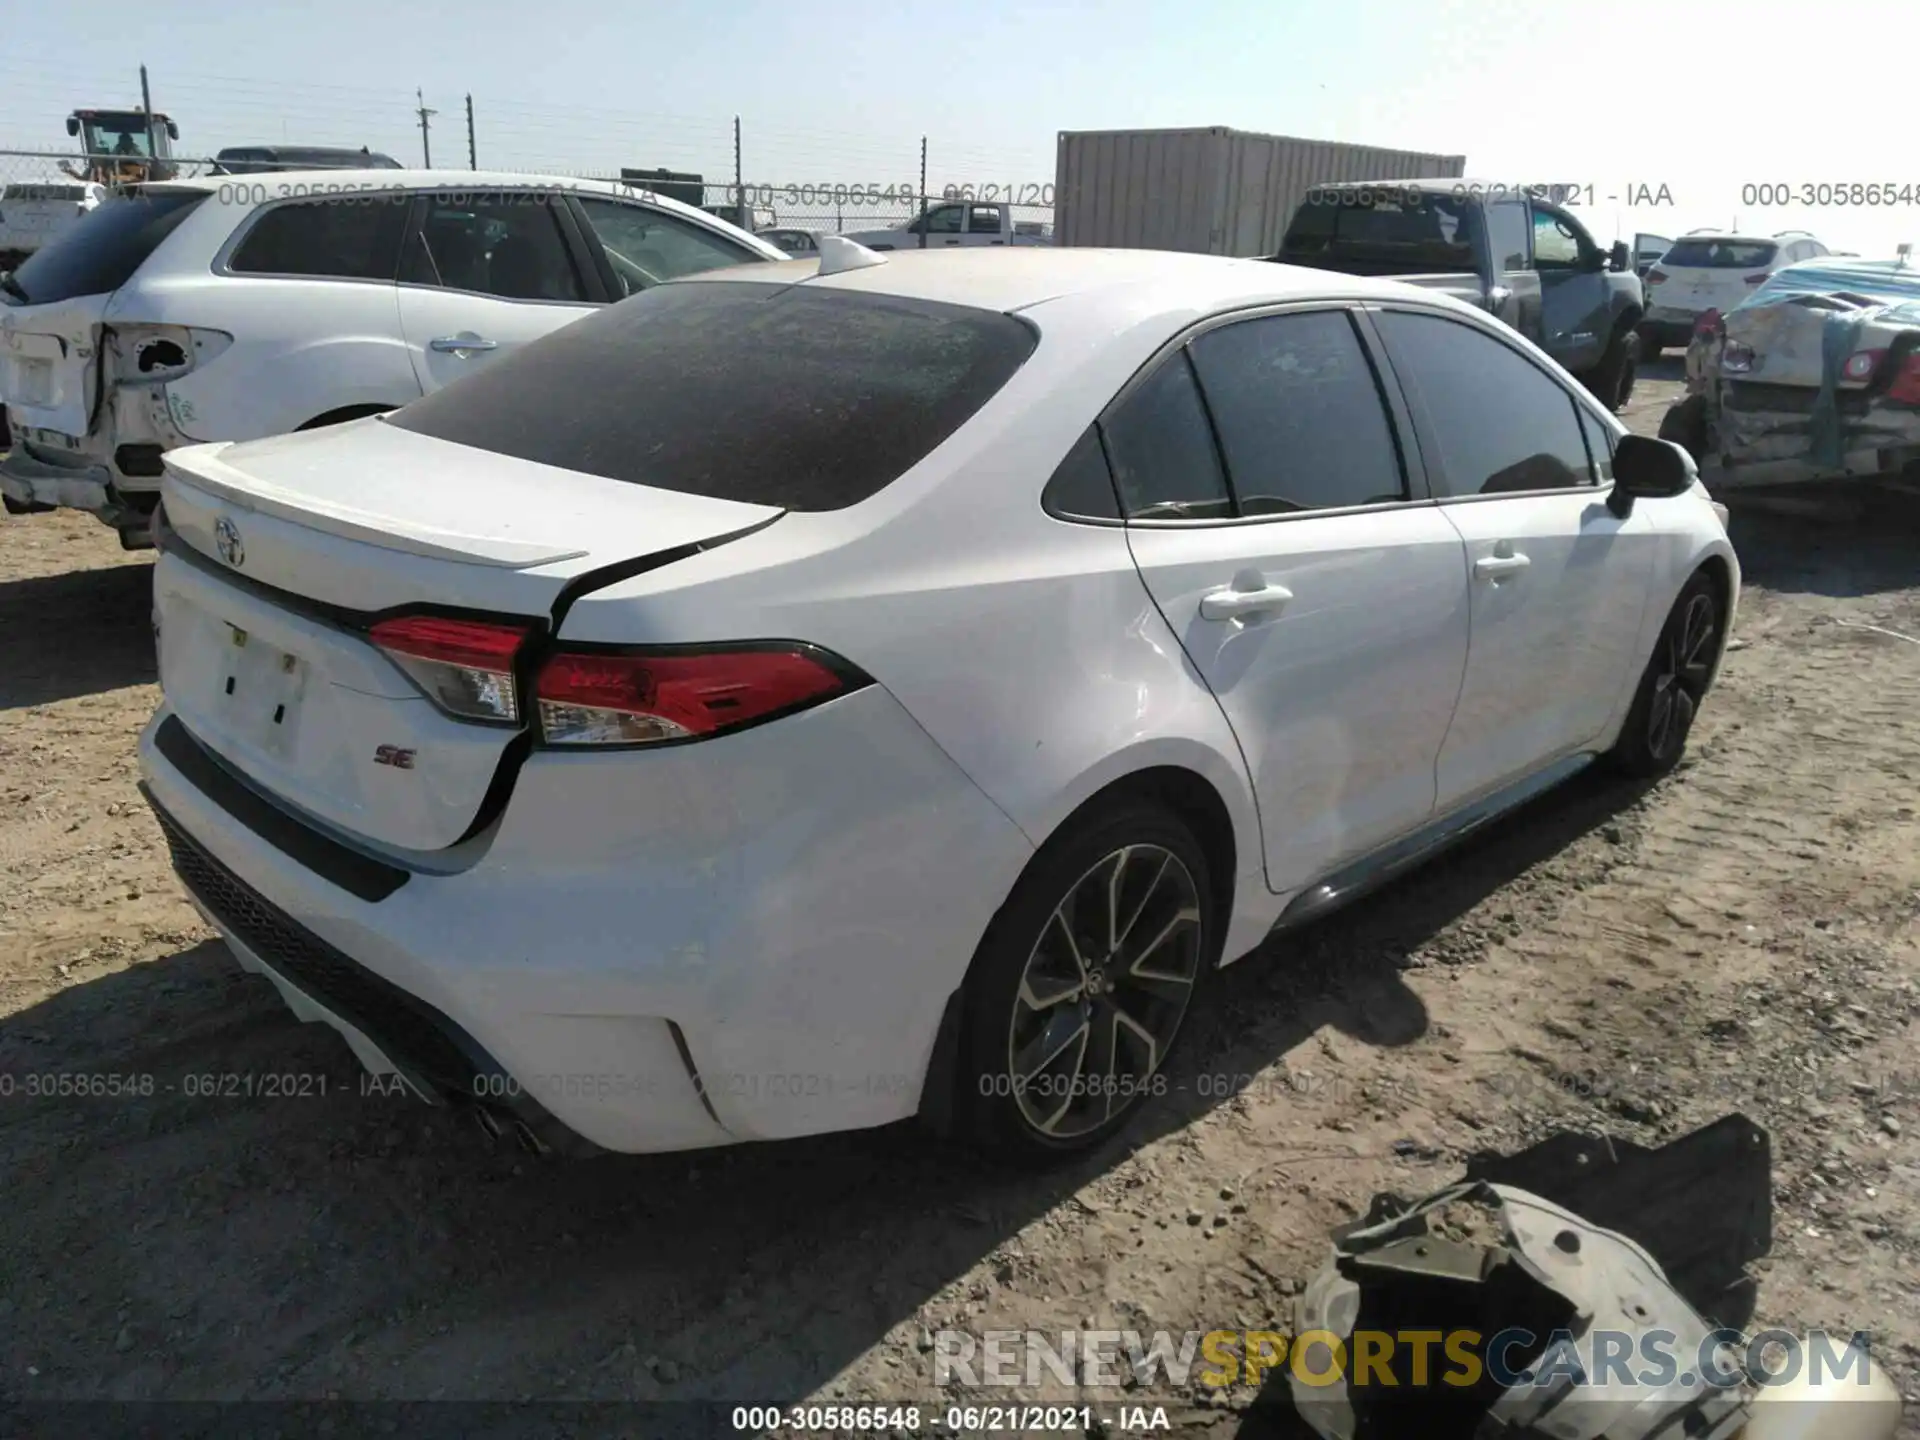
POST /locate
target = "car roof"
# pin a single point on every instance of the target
(1714, 237)
(1019, 278)
(321, 183)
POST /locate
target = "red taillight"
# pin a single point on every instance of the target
(609, 698)
(1905, 389)
(1656, 277)
(1759, 279)
(1862, 363)
(463, 666)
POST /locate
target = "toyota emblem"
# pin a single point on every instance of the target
(226, 538)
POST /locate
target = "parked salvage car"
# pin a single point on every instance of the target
(1708, 270)
(806, 696)
(1517, 256)
(1815, 375)
(210, 309)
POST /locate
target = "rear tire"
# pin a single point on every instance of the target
(1081, 986)
(1673, 685)
(1686, 425)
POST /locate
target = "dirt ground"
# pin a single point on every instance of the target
(1740, 937)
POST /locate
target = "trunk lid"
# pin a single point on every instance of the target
(50, 365)
(282, 550)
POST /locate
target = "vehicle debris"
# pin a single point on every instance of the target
(1815, 376)
(1583, 1289)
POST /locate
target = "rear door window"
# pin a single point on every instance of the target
(1165, 463)
(646, 246)
(104, 247)
(766, 393)
(1299, 414)
(983, 219)
(346, 239)
(507, 245)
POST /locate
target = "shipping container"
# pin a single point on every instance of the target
(1212, 190)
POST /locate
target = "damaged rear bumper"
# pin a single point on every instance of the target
(32, 482)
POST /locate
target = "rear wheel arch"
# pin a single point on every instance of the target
(345, 413)
(1186, 794)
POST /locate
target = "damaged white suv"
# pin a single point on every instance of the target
(232, 309)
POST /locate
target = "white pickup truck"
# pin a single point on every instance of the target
(958, 222)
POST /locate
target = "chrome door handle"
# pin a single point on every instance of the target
(461, 344)
(1230, 604)
(1494, 567)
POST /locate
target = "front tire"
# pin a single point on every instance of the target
(1674, 683)
(1081, 985)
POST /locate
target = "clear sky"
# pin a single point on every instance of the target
(1699, 98)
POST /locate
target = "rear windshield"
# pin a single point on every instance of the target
(1391, 236)
(1721, 254)
(770, 394)
(103, 249)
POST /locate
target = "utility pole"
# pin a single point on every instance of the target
(146, 110)
(923, 190)
(472, 162)
(426, 152)
(739, 188)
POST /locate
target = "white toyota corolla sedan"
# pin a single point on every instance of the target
(820, 693)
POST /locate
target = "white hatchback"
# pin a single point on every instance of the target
(230, 308)
(1706, 271)
(792, 701)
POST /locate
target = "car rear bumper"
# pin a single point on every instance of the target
(81, 484)
(654, 964)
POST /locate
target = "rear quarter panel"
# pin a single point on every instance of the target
(300, 348)
(1027, 647)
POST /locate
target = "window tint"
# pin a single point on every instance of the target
(1699, 254)
(1554, 247)
(1599, 443)
(945, 219)
(1501, 424)
(1396, 234)
(1507, 228)
(766, 393)
(504, 245)
(337, 239)
(1299, 414)
(983, 219)
(104, 247)
(647, 246)
(1083, 485)
(1164, 461)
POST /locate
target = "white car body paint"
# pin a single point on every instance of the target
(797, 903)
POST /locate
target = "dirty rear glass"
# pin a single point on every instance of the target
(103, 249)
(1721, 254)
(1391, 236)
(768, 394)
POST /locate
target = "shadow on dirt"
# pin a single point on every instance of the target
(1843, 541)
(215, 1231)
(72, 634)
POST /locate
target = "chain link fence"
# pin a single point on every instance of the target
(39, 184)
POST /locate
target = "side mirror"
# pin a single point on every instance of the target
(1657, 469)
(1620, 257)
(73, 124)
(173, 130)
